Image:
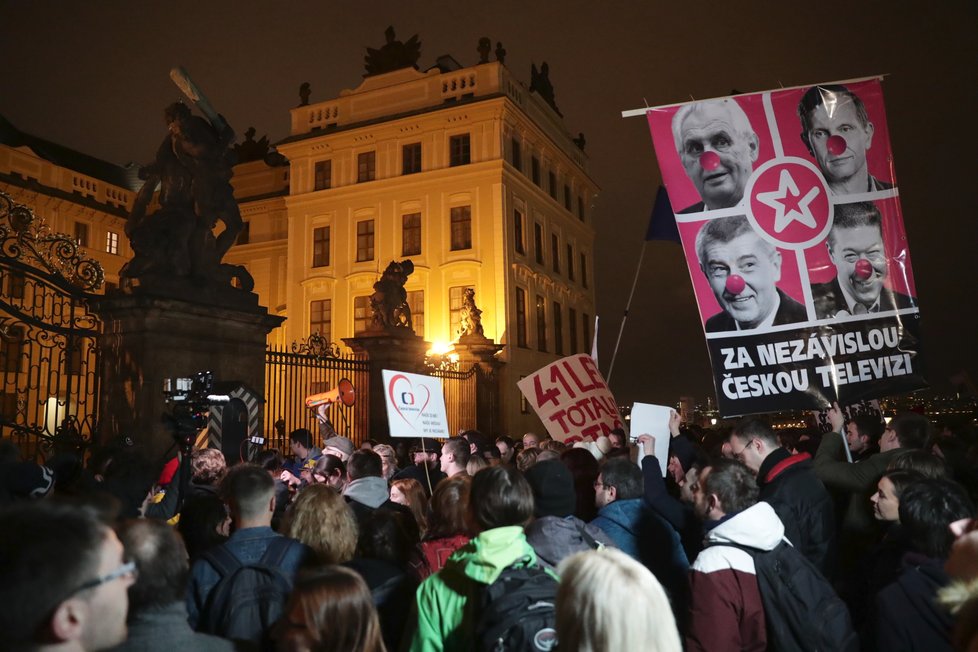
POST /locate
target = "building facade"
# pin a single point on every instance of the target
(463, 171)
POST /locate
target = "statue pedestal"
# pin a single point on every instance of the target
(480, 351)
(397, 349)
(147, 339)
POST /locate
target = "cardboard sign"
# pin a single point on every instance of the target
(648, 419)
(572, 399)
(415, 405)
(789, 214)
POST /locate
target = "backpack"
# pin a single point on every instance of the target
(802, 611)
(517, 611)
(249, 598)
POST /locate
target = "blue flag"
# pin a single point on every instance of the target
(662, 222)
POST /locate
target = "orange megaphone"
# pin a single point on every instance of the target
(343, 392)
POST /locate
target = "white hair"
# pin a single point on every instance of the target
(609, 601)
(738, 119)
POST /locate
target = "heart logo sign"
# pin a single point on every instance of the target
(415, 405)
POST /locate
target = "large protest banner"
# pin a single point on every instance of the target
(572, 399)
(790, 219)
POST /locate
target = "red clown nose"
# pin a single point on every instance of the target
(864, 269)
(836, 145)
(710, 161)
(735, 284)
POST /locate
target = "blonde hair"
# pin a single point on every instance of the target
(475, 464)
(320, 518)
(609, 601)
(387, 454)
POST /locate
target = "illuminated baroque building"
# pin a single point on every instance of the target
(462, 170)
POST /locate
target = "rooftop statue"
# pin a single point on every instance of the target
(393, 55)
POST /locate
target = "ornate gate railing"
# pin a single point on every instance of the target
(311, 366)
(461, 397)
(49, 359)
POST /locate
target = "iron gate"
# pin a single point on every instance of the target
(306, 367)
(49, 360)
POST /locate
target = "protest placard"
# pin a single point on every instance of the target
(572, 399)
(649, 419)
(415, 405)
(791, 223)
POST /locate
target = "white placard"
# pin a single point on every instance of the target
(572, 399)
(415, 405)
(648, 419)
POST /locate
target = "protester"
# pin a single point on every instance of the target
(330, 470)
(389, 459)
(608, 601)
(330, 610)
(322, 520)
(411, 494)
(204, 524)
(425, 465)
(366, 490)
(455, 454)
(584, 469)
(448, 527)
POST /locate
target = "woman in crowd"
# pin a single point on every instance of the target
(448, 528)
(330, 470)
(410, 493)
(388, 460)
(321, 519)
(609, 601)
(330, 610)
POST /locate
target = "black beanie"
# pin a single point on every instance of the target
(553, 489)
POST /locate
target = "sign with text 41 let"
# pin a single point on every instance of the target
(572, 399)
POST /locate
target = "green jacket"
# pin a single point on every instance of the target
(859, 479)
(444, 623)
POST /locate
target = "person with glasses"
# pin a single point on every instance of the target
(63, 580)
(789, 484)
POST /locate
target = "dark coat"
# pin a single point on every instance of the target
(788, 483)
(789, 312)
(908, 616)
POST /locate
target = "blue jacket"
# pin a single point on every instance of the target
(648, 538)
(248, 546)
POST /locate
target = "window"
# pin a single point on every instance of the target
(411, 234)
(321, 318)
(572, 324)
(583, 270)
(245, 234)
(538, 241)
(15, 285)
(570, 262)
(458, 150)
(361, 314)
(112, 242)
(541, 324)
(580, 208)
(517, 155)
(415, 300)
(323, 175)
(81, 234)
(521, 317)
(524, 404)
(567, 200)
(411, 158)
(553, 184)
(518, 236)
(555, 252)
(535, 170)
(11, 348)
(365, 240)
(461, 227)
(366, 166)
(558, 330)
(320, 246)
(455, 296)
(586, 329)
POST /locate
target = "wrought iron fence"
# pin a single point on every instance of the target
(49, 359)
(295, 371)
(461, 397)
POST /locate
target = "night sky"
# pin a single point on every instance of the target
(94, 76)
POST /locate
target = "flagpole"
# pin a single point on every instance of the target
(628, 305)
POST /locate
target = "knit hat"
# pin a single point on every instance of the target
(553, 489)
(340, 443)
(27, 480)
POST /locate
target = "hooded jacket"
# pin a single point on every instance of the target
(444, 622)
(371, 491)
(553, 538)
(726, 612)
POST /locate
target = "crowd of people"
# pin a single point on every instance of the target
(752, 539)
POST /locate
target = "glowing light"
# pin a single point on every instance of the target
(440, 348)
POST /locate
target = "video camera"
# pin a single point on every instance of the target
(190, 401)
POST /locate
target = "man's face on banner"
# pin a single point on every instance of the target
(711, 127)
(846, 248)
(844, 122)
(753, 259)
